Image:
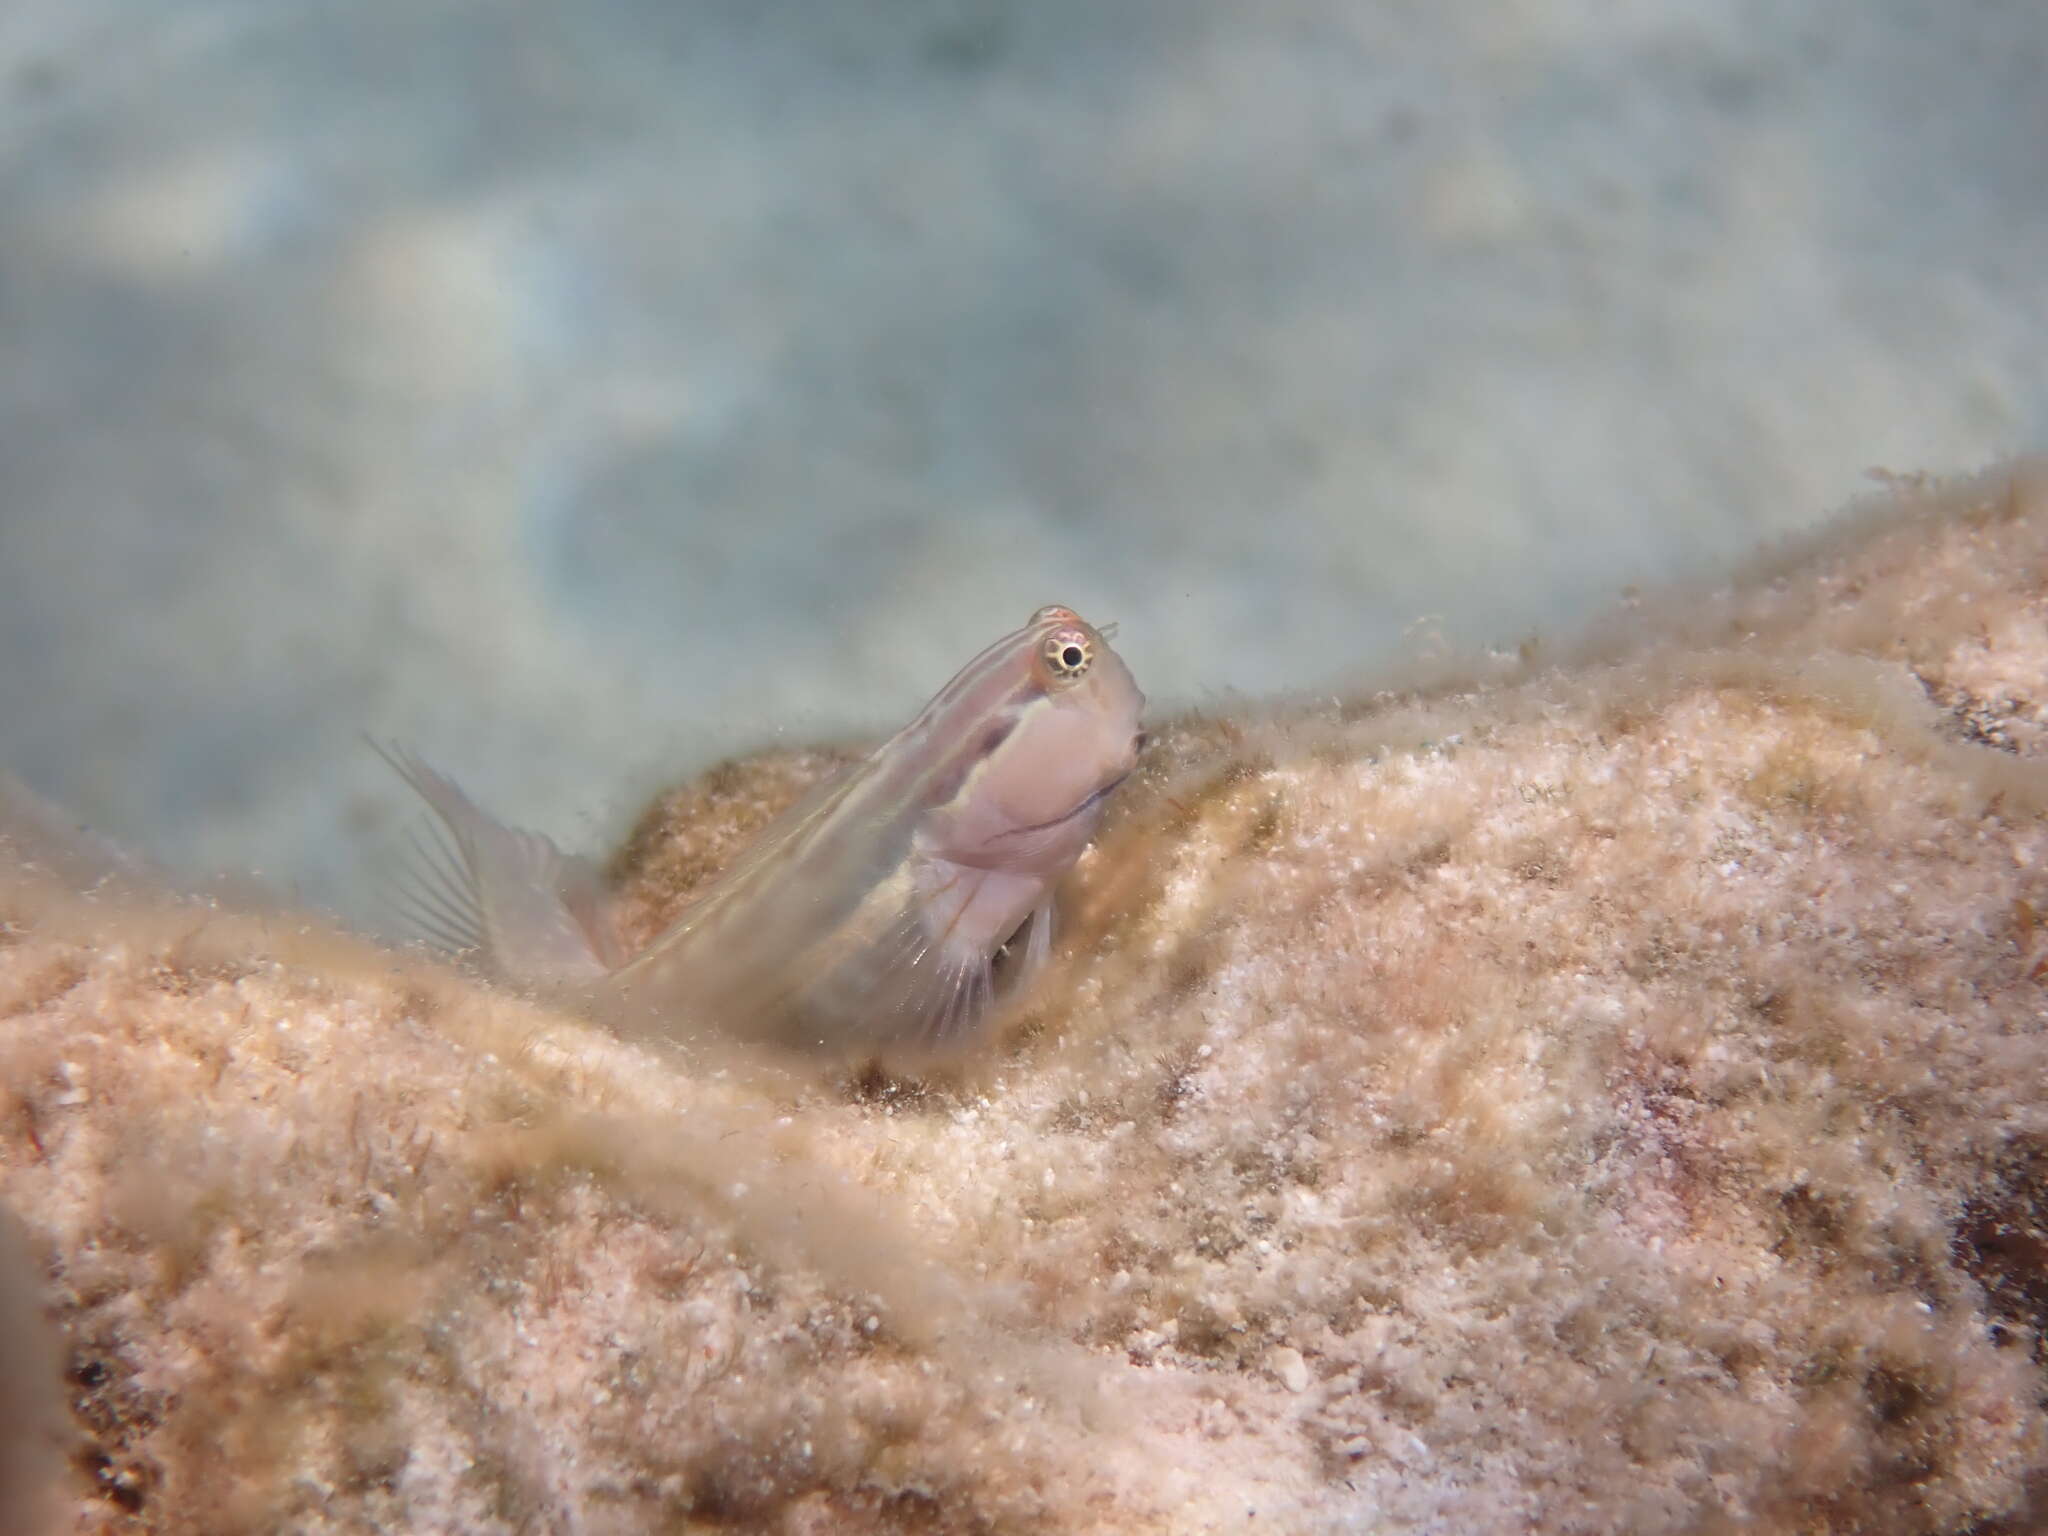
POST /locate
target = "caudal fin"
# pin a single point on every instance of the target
(524, 909)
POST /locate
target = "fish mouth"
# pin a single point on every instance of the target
(1078, 811)
(1098, 797)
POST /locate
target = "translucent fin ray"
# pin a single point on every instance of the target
(530, 912)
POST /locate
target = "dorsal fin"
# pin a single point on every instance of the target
(529, 912)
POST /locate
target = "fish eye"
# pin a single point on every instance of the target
(1068, 653)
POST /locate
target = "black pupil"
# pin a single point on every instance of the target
(1071, 656)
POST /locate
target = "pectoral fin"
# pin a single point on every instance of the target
(1037, 943)
(929, 991)
(903, 970)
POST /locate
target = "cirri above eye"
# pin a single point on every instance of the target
(1068, 654)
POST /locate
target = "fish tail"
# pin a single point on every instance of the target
(511, 899)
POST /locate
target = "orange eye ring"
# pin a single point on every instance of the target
(1067, 653)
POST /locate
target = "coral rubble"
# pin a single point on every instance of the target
(1602, 1090)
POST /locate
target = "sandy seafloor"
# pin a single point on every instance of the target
(583, 393)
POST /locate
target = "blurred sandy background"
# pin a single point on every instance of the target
(581, 393)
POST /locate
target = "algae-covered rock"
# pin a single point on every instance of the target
(1603, 1089)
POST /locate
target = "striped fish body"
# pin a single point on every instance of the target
(870, 915)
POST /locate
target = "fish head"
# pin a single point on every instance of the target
(1085, 739)
(1065, 735)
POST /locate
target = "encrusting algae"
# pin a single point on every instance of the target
(1605, 1091)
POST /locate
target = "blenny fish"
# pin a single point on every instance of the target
(872, 913)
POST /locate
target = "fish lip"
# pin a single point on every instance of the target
(1103, 793)
(1083, 808)
(1095, 799)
